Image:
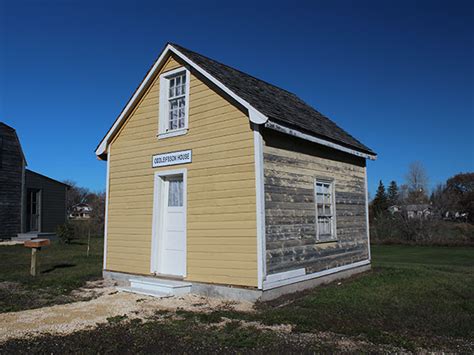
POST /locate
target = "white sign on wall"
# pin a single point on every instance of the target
(173, 158)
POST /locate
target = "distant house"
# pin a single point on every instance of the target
(456, 216)
(80, 211)
(394, 209)
(418, 211)
(30, 203)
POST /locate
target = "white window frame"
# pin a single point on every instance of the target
(333, 236)
(163, 130)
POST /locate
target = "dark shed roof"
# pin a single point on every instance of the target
(8, 130)
(41, 176)
(277, 104)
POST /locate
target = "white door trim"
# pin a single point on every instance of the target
(157, 223)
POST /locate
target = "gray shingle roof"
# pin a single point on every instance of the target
(277, 104)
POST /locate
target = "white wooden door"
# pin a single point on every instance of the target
(172, 258)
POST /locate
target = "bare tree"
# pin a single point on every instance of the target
(417, 181)
(417, 178)
(97, 203)
(403, 195)
(76, 194)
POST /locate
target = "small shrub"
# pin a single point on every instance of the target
(65, 233)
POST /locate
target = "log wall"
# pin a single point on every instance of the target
(291, 166)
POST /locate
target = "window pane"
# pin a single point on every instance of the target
(178, 86)
(320, 210)
(171, 90)
(183, 84)
(319, 188)
(175, 193)
(327, 198)
(324, 226)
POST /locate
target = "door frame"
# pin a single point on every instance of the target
(157, 229)
(39, 198)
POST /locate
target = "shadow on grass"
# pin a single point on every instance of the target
(76, 242)
(58, 266)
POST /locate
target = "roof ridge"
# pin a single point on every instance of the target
(287, 105)
(232, 68)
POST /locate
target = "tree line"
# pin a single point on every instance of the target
(456, 195)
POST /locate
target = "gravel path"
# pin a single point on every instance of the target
(67, 318)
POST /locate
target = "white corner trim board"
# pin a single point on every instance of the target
(308, 137)
(254, 114)
(293, 276)
(107, 195)
(260, 205)
(367, 213)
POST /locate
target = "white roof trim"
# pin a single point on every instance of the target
(311, 138)
(255, 116)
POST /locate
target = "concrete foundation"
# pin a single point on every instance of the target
(241, 293)
(307, 284)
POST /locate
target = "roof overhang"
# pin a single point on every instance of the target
(255, 116)
(296, 133)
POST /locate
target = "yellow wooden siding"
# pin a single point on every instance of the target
(221, 215)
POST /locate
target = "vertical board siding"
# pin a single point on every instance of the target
(53, 200)
(11, 175)
(290, 168)
(221, 212)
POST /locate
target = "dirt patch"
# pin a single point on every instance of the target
(16, 297)
(172, 335)
(93, 289)
(106, 304)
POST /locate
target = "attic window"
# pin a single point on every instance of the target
(174, 103)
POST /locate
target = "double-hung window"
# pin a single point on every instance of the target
(174, 103)
(325, 210)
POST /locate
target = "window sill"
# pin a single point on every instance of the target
(175, 133)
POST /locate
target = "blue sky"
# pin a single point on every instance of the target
(398, 75)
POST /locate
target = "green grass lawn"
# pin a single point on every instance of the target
(413, 297)
(63, 267)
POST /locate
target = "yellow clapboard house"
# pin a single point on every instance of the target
(223, 184)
